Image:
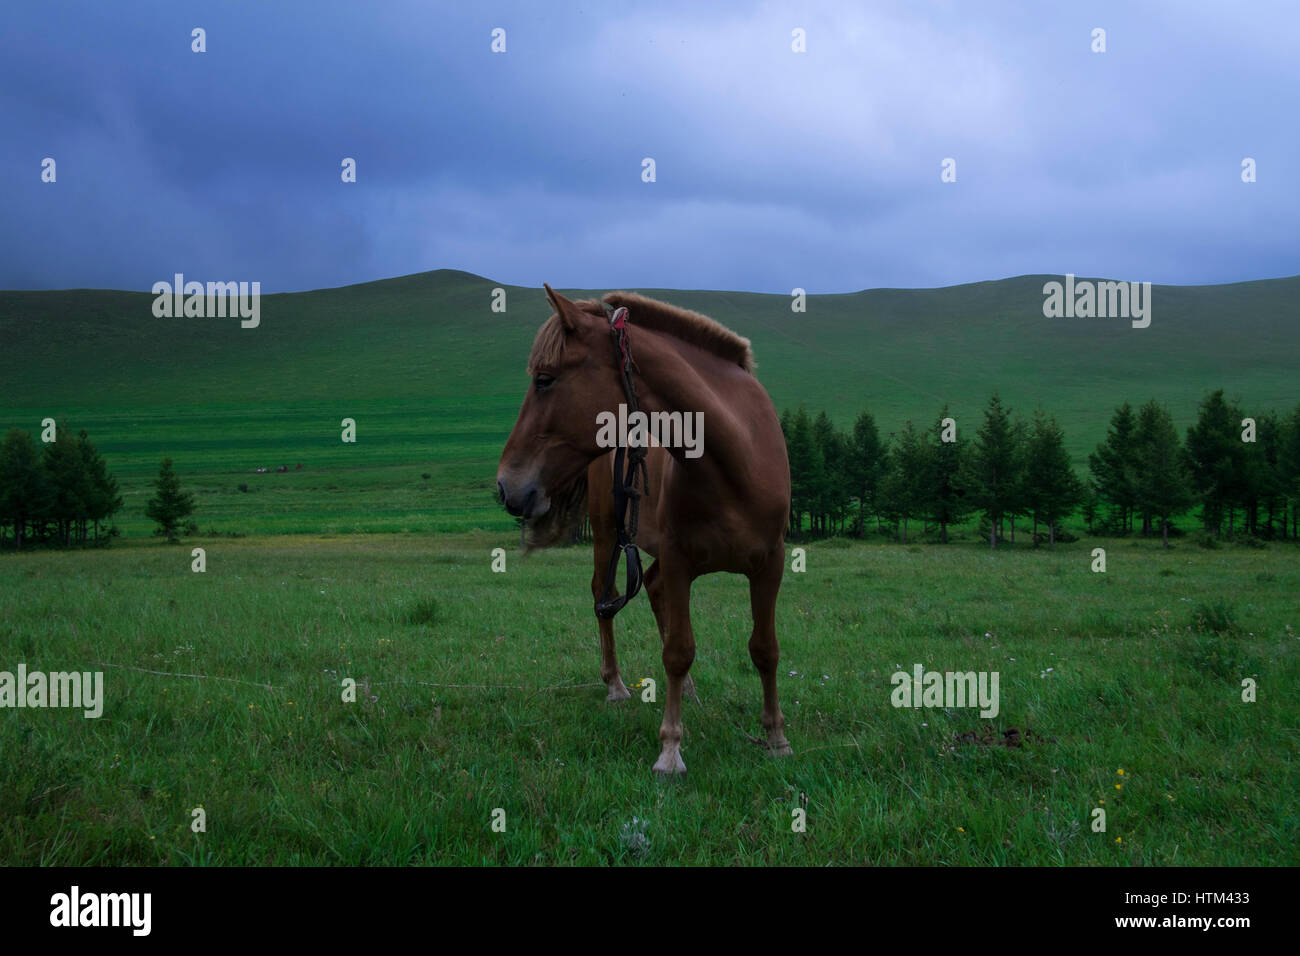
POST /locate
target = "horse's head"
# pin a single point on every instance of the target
(573, 379)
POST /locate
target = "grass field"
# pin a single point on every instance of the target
(1100, 673)
(480, 691)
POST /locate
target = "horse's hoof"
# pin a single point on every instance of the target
(779, 747)
(669, 766)
(618, 694)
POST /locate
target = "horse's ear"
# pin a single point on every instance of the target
(562, 306)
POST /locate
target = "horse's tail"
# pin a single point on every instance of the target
(566, 515)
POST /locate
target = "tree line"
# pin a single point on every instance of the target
(63, 493)
(60, 493)
(1142, 477)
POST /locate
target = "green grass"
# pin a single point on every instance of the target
(287, 773)
(479, 691)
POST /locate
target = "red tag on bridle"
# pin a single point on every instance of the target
(618, 327)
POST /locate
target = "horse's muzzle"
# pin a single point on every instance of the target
(520, 502)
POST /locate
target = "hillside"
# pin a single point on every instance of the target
(434, 379)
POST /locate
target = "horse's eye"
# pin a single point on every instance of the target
(543, 381)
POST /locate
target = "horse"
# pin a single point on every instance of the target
(724, 507)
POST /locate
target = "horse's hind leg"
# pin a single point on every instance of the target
(763, 650)
(679, 652)
(654, 590)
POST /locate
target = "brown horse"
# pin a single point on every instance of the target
(724, 509)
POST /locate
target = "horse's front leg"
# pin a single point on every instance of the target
(609, 671)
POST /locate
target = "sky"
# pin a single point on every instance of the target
(774, 169)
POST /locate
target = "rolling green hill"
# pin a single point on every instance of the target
(434, 378)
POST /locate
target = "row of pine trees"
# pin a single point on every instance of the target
(61, 492)
(1243, 474)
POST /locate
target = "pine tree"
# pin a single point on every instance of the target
(1052, 489)
(169, 506)
(1089, 507)
(103, 500)
(1163, 485)
(946, 491)
(991, 477)
(807, 470)
(867, 464)
(1217, 458)
(1113, 465)
(1262, 481)
(1017, 492)
(24, 486)
(829, 493)
(65, 469)
(908, 480)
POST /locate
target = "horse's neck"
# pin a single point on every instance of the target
(677, 377)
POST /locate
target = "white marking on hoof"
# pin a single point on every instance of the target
(670, 762)
(617, 691)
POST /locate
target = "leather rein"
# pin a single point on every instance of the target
(627, 496)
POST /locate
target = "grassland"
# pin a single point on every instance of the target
(480, 691)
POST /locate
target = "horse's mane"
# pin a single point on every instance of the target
(683, 324)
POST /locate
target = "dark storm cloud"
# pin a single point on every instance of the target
(775, 169)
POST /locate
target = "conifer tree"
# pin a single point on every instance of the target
(65, 470)
(1052, 489)
(102, 498)
(1113, 465)
(1163, 485)
(946, 492)
(1217, 457)
(991, 477)
(909, 475)
(829, 493)
(867, 465)
(806, 467)
(24, 486)
(169, 505)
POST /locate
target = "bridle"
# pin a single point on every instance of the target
(626, 492)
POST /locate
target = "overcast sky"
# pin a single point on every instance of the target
(774, 169)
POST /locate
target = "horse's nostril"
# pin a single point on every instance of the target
(504, 497)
